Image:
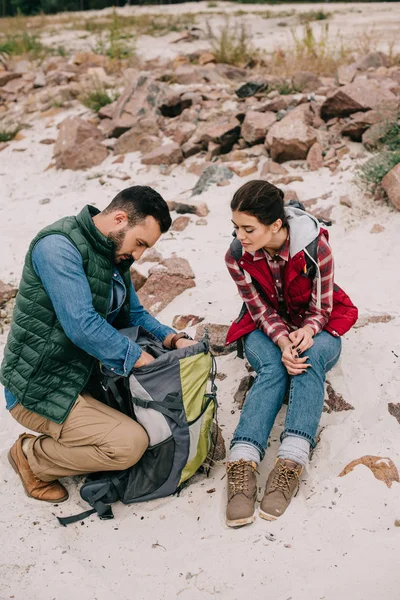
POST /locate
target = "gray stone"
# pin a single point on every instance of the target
(211, 175)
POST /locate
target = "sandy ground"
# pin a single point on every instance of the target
(338, 540)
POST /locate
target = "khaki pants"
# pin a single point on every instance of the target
(94, 437)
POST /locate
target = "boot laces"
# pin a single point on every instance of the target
(283, 477)
(238, 473)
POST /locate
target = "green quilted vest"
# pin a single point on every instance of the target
(42, 368)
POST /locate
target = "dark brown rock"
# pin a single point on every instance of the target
(217, 336)
(335, 401)
(6, 76)
(394, 410)
(217, 452)
(166, 281)
(180, 322)
(200, 209)
(78, 145)
(242, 391)
(359, 122)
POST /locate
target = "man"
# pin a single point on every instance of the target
(74, 295)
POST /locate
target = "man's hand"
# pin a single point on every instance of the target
(302, 339)
(293, 364)
(144, 359)
(184, 343)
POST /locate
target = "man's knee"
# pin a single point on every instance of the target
(132, 443)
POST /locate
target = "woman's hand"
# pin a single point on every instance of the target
(302, 339)
(294, 365)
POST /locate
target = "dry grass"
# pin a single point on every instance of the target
(232, 44)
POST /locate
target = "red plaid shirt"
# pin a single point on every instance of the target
(264, 315)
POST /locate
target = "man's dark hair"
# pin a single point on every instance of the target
(139, 202)
(260, 199)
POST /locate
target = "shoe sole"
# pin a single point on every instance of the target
(267, 516)
(14, 466)
(240, 522)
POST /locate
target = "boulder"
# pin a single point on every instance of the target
(217, 335)
(305, 81)
(183, 132)
(371, 138)
(224, 131)
(391, 185)
(212, 174)
(199, 209)
(78, 145)
(166, 281)
(346, 73)
(315, 160)
(361, 95)
(180, 223)
(134, 140)
(245, 386)
(250, 88)
(7, 76)
(256, 125)
(171, 104)
(243, 169)
(359, 122)
(168, 154)
(373, 60)
(292, 137)
(137, 279)
(138, 100)
(273, 168)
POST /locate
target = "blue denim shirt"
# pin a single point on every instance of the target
(59, 265)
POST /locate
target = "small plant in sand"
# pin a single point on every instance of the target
(112, 41)
(97, 97)
(8, 133)
(212, 4)
(23, 44)
(370, 174)
(231, 45)
(313, 15)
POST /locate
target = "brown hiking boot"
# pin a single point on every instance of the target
(242, 492)
(49, 491)
(282, 483)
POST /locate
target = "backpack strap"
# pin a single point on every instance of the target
(104, 511)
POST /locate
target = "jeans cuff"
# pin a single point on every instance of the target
(238, 440)
(298, 433)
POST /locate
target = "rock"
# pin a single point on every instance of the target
(211, 175)
(361, 95)
(372, 60)
(372, 137)
(47, 141)
(224, 131)
(315, 160)
(288, 179)
(305, 81)
(78, 145)
(273, 168)
(292, 137)
(335, 402)
(44, 201)
(7, 76)
(213, 150)
(7, 292)
(359, 122)
(14, 86)
(391, 185)
(183, 133)
(139, 100)
(345, 201)
(242, 391)
(166, 281)
(394, 410)
(107, 111)
(377, 228)
(137, 279)
(346, 73)
(3, 145)
(291, 195)
(89, 58)
(383, 468)
(180, 223)
(131, 141)
(170, 103)
(242, 169)
(366, 319)
(217, 336)
(22, 66)
(256, 125)
(217, 451)
(250, 88)
(40, 80)
(231, 72)
(150, 255)
(181, 322)
(168, 154)
(191, 147)
(199, 209)
(201, 222)
(206, 58)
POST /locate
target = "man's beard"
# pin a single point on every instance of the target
(118, 238)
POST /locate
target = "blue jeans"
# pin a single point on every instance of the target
(306, 391)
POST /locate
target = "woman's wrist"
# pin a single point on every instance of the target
(283, 342)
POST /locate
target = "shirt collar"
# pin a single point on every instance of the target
(282, 253)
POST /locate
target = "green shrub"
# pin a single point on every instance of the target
(98, 97)
(313, 15)
(369, 175)
(22, 44)
(6, 135)
(231, 45)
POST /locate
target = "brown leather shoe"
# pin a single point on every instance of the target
(283, 483)
(242, 492)
(48, 491)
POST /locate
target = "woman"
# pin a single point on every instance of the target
(291, 325)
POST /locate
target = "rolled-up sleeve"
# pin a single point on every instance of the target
(138, 315)
(59, 265)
